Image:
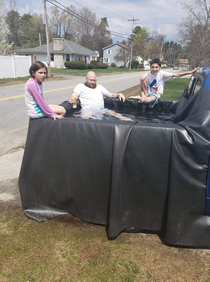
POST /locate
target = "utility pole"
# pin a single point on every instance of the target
(47, 37)
(133, 20)
(40, 41)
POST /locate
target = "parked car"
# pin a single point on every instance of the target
(147, 66)
(175, 68)
(163, 65)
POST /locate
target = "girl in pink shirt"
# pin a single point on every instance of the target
(35, 103)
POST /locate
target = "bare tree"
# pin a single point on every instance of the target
(62, 23)
(156, 45)
(194, 31)
(13, 5)
(102, 37)
(69, 26)
(86, 26)
(172, 52)
(123, 54)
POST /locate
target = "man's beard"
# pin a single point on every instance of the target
(89, 85)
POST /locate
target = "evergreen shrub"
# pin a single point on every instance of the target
(78, 65)
(113, 65)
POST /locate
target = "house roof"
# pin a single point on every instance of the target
(120, 45)
(70, 47)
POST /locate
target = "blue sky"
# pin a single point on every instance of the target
(159, 16)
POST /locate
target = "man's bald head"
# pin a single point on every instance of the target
(91, 79)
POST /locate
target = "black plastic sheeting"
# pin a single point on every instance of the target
(122, 174)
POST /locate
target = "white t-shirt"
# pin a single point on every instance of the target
(89, 97)
(157, 81)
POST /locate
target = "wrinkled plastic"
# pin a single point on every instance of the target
(125, 175)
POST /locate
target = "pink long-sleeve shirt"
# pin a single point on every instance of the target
(35, 103)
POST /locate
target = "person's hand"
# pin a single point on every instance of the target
(193, 71)
(121, 97)
(58, 117)
(141, 100)
(71, 100)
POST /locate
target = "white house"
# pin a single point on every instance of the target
(109, 53)
(61, 50)
(138, 59)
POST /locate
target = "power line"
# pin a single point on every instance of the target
(77, 3)
(74, 14)
(116, 7)
(106, 5)
(71, 12)
(133, 20)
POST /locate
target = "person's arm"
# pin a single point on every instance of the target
(46, 109)
(73, 96)
(33, 90)
(116, 95)
(179, 74)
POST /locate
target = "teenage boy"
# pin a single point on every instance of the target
(152, 83)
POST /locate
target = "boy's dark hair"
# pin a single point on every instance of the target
(155, 61)
(36, 66)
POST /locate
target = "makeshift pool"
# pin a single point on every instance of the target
(126, 175)
(132, 113)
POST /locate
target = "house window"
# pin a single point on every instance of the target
(106, 60)
(93, 58)
(67, 57)
(108, 51)
(52, 57)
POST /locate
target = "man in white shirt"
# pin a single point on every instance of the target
(91, 95)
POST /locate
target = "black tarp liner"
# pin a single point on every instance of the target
(122, 174)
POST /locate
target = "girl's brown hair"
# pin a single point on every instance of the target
(36, 66)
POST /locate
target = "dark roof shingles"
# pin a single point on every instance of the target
(70, 47)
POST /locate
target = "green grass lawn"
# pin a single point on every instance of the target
(6, 81)
(174, 88)
(67, 249)
(97, 71)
